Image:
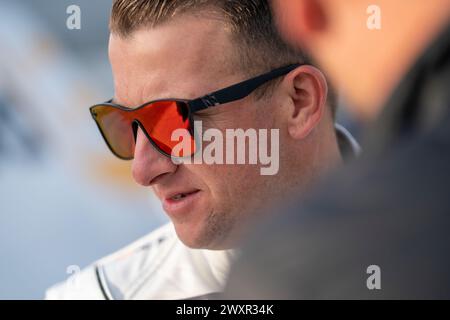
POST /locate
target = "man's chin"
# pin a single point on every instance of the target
(205, 230)
(202, 238)
(192, 236)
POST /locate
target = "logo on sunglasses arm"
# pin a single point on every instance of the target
(235, 142)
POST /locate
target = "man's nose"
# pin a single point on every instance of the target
(149, 164)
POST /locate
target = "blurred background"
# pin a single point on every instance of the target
(64, 200)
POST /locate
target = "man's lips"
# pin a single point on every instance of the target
(180, 203)
(178, 195)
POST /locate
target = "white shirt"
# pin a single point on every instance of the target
(158, 266)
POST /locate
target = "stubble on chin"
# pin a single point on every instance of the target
(216, 232)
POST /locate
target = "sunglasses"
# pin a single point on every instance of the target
(158, 119)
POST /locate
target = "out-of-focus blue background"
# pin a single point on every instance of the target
(64, 199)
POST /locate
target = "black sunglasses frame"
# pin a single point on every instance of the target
(229, 94)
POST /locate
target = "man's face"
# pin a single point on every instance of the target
(187, 58)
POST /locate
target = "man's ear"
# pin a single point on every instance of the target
(307, 89)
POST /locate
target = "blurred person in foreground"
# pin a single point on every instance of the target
(189, 49)
(380, 227)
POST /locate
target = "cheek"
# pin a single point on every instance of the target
(226, 183)
(213, 177)
(232, 182)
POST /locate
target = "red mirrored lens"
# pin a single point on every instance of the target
(159, 119)
(116, 128)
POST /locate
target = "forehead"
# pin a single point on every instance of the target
(184, 58)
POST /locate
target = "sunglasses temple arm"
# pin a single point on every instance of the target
(237, 91)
